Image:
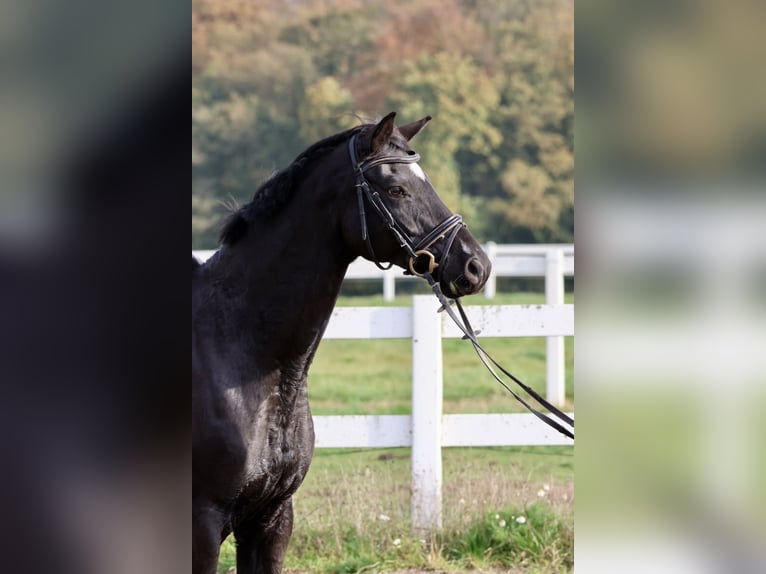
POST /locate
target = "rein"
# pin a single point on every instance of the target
(452, 225)
(468, 333)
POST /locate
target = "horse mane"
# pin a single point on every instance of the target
(277, 190)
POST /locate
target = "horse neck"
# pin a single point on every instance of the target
(288, 270)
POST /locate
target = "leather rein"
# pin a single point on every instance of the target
(470, 334)
(419, 251)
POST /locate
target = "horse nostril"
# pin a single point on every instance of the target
(473, 270)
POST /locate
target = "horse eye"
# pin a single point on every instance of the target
(396, 191)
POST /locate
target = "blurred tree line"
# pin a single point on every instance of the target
(270, 77)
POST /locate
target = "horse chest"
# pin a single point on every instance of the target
(279, 444)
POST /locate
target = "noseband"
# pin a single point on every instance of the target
(416, 250)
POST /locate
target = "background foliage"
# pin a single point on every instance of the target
(271, 77)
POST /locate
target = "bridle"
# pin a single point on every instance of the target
(415, 250)
(448, 229)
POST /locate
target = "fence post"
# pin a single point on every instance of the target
(490, 287)
(554, 360)
(389, 284)
(426, 502)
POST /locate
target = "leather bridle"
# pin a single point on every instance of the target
(448, 229)
(416, 251)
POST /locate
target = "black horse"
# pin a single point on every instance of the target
(261, 304)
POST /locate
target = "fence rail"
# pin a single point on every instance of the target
(393, 431)
(427, 430)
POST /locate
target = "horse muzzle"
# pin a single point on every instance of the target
(475, 273)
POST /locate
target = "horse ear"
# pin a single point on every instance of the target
(411, 130)
(382, 134)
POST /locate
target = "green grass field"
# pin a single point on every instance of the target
(507, 508)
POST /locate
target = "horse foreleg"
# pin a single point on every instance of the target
(261, 544)
(207, 525)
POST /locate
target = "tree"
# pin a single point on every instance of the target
(223, 167)
(270, 78)
(326, 109)
(461, 98)
(530, 184)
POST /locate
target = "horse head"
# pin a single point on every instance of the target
(399, 218)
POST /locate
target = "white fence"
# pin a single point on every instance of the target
(427, 430)
(552, 261)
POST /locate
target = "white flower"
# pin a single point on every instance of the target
(521, 519)
(461, 502)
(497, 516)
(397, 542)
(546, 487)
(541, 493)
(384, 518)
(501, 523)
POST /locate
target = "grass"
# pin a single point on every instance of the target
(344, 379)
(353, 510)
